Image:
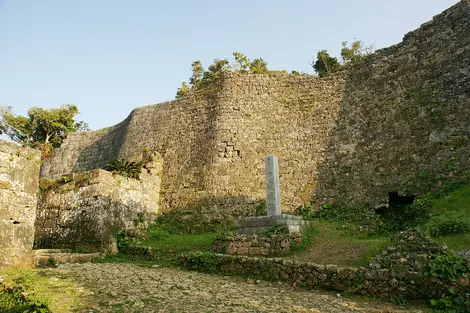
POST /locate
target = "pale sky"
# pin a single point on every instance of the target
(109, 57)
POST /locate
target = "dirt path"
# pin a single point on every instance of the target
(130, 288)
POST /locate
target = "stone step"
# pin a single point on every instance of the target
(267, 221)
(39, 252)
(47, 258)
(259, 230)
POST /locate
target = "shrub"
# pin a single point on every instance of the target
(124, 168)
(122, 240)
(306, 211)
(202, 261)
(451, 303)
(261, 209)
(14, 301)
(448, 267)
(453, 222)
(405, 216)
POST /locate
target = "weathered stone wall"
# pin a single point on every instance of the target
(380, 283)
(257, 244)
(404, 120)
(19, 175)
(214, 141)
(398, 121)
(88, 209)
(182, 131)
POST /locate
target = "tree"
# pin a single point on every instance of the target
(242, 62)
(356, 52)
(43, 128)
(258, 66)
(17, 128)
(216, 69)
(325, 64)
(198, 72)
(182, 91)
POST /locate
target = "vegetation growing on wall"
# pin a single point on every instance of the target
(125, 168)
(323, 65)
(41, 128)
(201, 77)
(326, 64)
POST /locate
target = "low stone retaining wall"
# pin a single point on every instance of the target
(380, 283)
(257, 244)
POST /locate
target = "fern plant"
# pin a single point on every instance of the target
(124, 168)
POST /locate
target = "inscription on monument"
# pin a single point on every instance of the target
(273, 190)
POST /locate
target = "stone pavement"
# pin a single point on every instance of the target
(124, 288)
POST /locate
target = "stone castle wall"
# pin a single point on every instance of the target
(88, 209)
(404, 119)
(19, 175)
(398, 121)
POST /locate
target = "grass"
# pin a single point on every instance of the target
(334, 240)
(324, 242)
(457, 200)
(455, 242)
(161, 240)
(338, 243)
(38, 291)
(166, 246)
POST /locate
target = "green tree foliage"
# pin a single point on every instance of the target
(198, 72)
(325, 64)
(242, 62)
(354, 53)
(42, 127)
(258, 66)
(182, 91)
(215, 70)
(201, 77)
(17, 128)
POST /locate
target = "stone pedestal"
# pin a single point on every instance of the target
(259, 224)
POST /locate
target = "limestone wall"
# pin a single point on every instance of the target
(398, 121)
(379, 283)
(404, 119)
(19, 175)
(257, 244)
(87, 210)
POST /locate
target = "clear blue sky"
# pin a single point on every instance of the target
(109, 57)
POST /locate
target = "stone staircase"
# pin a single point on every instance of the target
(44, 258)
(258, 224)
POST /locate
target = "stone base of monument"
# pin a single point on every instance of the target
(258, 224)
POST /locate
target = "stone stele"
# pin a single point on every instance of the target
(273, 190)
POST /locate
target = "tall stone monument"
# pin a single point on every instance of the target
(273, 189)
(258, 224)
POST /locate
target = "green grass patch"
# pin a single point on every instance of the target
(450, 218)
(455, 242)
(38, 291)
(160, 244)
(456, 200)
(325, 240)
(163, 242)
